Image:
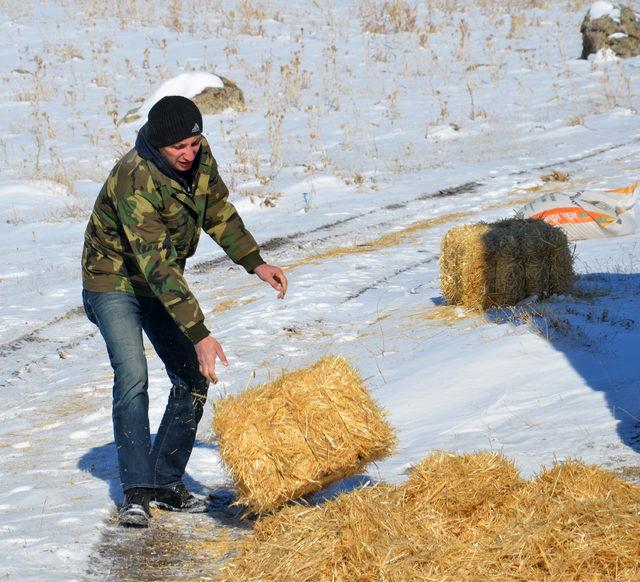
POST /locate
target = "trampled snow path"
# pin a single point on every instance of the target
(444, 384)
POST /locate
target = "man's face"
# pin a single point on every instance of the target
(181, 155)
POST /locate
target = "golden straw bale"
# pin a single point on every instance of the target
(295, 435)
(498, 264)
(469, 490)
(573, 522)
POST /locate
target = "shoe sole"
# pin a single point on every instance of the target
(134, 519)
(167, 507)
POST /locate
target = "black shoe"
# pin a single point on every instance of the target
(177, 498)
(135, 509)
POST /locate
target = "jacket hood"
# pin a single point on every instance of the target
(149, 152)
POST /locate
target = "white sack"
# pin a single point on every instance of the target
(587, 214)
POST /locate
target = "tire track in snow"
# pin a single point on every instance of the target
(378, 283)
(33, 336)
(276, 243)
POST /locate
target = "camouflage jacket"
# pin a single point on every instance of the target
(144, 226)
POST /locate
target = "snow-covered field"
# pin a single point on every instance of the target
(359, 122)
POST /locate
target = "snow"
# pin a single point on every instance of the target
(604, 55)
(601, 8)
(350, 135)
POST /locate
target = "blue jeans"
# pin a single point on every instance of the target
(121, 319)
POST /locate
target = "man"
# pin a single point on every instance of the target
(145, 224)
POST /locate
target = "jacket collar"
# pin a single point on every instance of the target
(152, 154)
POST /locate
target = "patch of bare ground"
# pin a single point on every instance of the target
(176, 546)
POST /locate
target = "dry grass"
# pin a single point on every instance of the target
(229, 304)
(386, 240)
(295, 435)
(447, 314)
(556, 176)
(247, 156)
(74, 211)
(468, 517)
(213, 546)
(499, 264)
(390, 17)
(294, 80)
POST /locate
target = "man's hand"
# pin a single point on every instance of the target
(274, 276)
(207, 349)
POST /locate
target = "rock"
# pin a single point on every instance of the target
(210, 100)
(611, 25)
(215, 99)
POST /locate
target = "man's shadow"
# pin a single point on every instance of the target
(102, 463)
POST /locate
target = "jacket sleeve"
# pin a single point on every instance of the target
(224, 225)
(157, 259)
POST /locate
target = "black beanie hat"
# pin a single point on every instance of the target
(173, 119)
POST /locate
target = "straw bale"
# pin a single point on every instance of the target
(498, 264)
(467, 488)
(466, 517)
(293, 436)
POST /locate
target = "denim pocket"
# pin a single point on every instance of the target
(87, 307)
